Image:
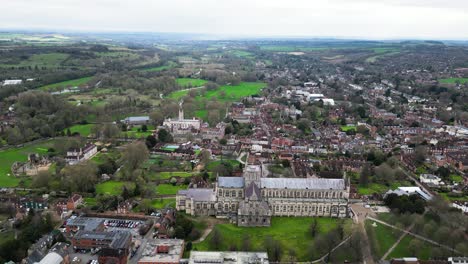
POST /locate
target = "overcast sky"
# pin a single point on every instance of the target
(376, 19)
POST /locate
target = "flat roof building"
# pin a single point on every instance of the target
(162, 251)
(228, 257)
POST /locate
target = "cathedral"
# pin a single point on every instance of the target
(251, 200)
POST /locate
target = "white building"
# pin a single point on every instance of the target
(136, 120)
(75, 156)
(12, 82)
(430, 179)
(182, 125)
(409, 191)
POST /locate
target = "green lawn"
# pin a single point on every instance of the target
(83, 130)
(403, 250)
(161, 68)
(48, 60)
(454, 80)
(113, 187)
(134, 133)
(456, 178)
(8, 157)
(169, 189)
(170, 174)
(381, 238)
(66, 84)
(232, 93)
(163, 203)
(381, 188)
(190, 82)
(90, 201)
(213, 164)
(347, 128)
(291, 232)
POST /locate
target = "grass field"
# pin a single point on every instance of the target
(403, 250)
(113, 187)
(84, 130)
(291, 232)
(169, 174)
(347, 128)
(381, 238)
(213, 164)
(454, 80)
(232, 93)
(161, 68)
(190, 82)
(134, 133)
(90, 201)
(163, 203)
(48, 60)
(169, 189)
(380, 188)
(10, 156)
(66, 84)
(241, 53)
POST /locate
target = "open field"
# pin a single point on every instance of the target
(380, 188)
(403, 249)
(347, 128)
(162, 203)
(169, 189)
(241, 53)
(169, 174)
(190, 82)
(66, 84)
(291, 232)
(113, 187)
(232, 93)
(47, 60)
(213, 164)
(161, 68)
(83, 130)
(454, 80)
(10, 156)
(381, 237)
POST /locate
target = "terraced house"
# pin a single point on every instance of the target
(251, 200)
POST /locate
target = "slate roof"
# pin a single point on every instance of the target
(199, 194)
(252, 191)
(231, 182)
(300, 183)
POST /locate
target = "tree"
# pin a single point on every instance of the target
(157, 118)
(81, 177)
(205, 156)
(365, 174)
(415, 246)
(41, 180)
(164, 136)
(273, 248)
(246, 243)
(151, 141)
(134, 155)
(144, 128)
(216, 239)
(420, 154)
(314, 228)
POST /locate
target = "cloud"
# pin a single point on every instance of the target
(435, 19)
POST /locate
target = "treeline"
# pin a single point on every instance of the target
(39, 114)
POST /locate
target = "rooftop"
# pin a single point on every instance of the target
(301, 183)
(228, 257)
(162, 251)
(231, 182)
